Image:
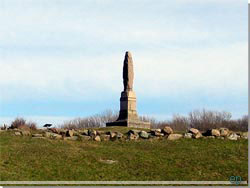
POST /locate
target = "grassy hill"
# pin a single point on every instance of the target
(34, 159)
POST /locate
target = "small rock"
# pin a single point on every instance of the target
(17, 133)
(188, 135)
(194, 131)
(108, 161)
(143, 134)
(167, 130)
(174, 136)
(84, 132)
(224, 131)
(48, 134)
(25, 133)
(233, 136)
(37, 135)
(69, 133)
(56, 136)
(100, 132)
(112, 134)
(97, 138)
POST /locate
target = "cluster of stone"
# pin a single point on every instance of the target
(133, 134)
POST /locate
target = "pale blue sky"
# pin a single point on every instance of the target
(62, 59)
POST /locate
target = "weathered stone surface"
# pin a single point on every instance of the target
(174, 136)
(128, 72)
(92, 133)
(69, 133)
(17, 133)
(224, 131)
(233, 136)
(105, 137)
(56, 136)
(100, 132)
(220, 137)
(118, 135)
(133, 136)
(194, 131)
(25, 133)
(196, 136)
(84, 132)
(112, 134)
(48, 134)
(244, 135)
(167, 130)
(37, 135)
(188, 135)
(85, 137)
(215, 132)
(143, 134)
(97, 138)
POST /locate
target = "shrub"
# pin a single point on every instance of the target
(18, 122)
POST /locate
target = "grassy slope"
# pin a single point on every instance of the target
(26, 158)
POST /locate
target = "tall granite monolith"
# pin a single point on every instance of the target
(128, 114)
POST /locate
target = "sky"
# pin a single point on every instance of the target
(62, 59)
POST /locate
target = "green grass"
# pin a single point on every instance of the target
(30, 159)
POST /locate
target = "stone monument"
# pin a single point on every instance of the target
(128, 115)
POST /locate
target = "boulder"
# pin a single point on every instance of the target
(112, 134)
(100, 132)
(118, 135)
(97, 138)
(188, 135)
(215, 132)
(37, 135)
(174, 136)
(194, 131)
(167, 130)
(133, 136)
(143, 134)
(48, 134)
(69, 133)
(196, 136)
(17, 133)
(244, 135)
(210, 137)
(133, 131)
(84, 132)
(56, 136)
(25, 133)
(105, 137)
(212, 132)
(224, 131)
(233, 136)
(92, 133)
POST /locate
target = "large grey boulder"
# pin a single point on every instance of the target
(92, 133)
(196, 136)
(174, 136)
(143, 134)
(215, 132)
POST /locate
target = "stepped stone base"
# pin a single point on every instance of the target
(126, 123)
(128, 115)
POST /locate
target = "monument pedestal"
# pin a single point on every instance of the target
(128, 115)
